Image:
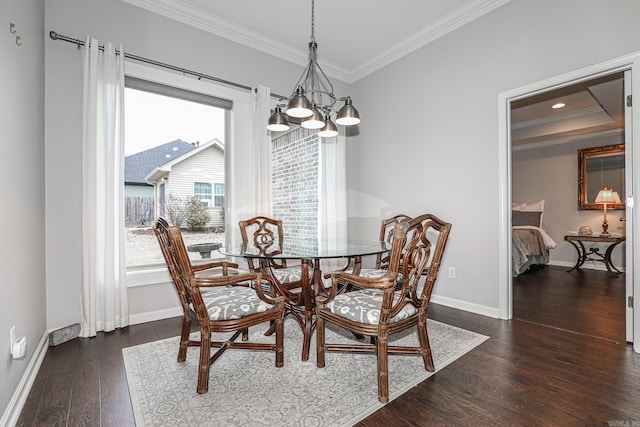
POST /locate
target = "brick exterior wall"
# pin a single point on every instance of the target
(294, 180)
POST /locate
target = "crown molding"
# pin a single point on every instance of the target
(198, 18)
(455, 19)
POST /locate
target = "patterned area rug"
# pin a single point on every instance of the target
(246, 389)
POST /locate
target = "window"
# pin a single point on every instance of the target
(174, 150)
(202, 190)
(218, 195)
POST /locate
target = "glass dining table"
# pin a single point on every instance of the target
(309, 252)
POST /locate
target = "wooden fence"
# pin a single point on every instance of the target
(138, 211)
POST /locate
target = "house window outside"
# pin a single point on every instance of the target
(202, 190)
(174, 149)
(218, 195)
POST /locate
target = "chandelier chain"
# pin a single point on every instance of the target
(313, 38)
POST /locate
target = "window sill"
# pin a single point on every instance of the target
(147, 275)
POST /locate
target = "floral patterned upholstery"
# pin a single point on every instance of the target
(233, 302)
(364, 306)
(288, 274)
(372, 273)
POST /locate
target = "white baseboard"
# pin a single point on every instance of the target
(13, 410)
(12, 413)
(150, 316)
(466, 306)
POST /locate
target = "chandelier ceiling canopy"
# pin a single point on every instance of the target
(312, 99)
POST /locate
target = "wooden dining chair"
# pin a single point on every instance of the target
(221, 303)
(377, 308)
(267, 234)
(161, 230)
(385, 234)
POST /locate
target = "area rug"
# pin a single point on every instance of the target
(246, 389)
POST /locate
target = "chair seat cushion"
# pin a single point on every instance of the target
(288, 274)
(233, 302)
(372, 273)
(363, 306)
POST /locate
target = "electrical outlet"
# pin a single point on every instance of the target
(452, 272)
(12, 338)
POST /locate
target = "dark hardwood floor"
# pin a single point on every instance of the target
(558, 363)
(589, 302)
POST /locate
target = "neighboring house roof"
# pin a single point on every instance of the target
(138, 166)
(162, 170)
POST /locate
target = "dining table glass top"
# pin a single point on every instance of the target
(307, 249)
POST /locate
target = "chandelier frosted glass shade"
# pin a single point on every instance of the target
(278, 121)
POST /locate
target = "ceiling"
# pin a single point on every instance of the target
(592, 108)
(358, 37)
(355, 37)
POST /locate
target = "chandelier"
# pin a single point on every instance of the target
(313, 100)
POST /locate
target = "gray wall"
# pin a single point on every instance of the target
(551, 174)
(428, 140)
(22, 253)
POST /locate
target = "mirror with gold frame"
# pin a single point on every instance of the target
(600, 167)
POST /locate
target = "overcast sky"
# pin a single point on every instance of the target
(152, 120)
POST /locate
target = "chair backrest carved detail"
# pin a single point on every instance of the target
(386, 235)
(427, 237)
(267, 235)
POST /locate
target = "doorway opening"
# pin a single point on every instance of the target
(548, 130)
(630, 65)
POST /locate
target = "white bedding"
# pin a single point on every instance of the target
(548, 241)
(525, 252)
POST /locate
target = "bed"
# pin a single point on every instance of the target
(530, 243)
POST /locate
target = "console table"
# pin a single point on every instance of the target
(594, 254)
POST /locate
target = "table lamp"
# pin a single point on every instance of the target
(606, 196)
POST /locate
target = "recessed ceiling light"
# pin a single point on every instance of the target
(558, 105)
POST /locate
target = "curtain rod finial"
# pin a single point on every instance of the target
(53, 35)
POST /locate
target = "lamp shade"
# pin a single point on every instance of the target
(348, 115)
(299, 105)
(607, 195)
(315, 121)
(278, 121)
(329, 130)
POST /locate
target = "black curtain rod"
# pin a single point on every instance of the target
(78, 42)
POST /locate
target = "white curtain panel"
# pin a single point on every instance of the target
(261, 151)
(104, 304)
(332, 195)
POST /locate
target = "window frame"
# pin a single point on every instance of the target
(237, 170)
(202, 195)
(217, 194)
